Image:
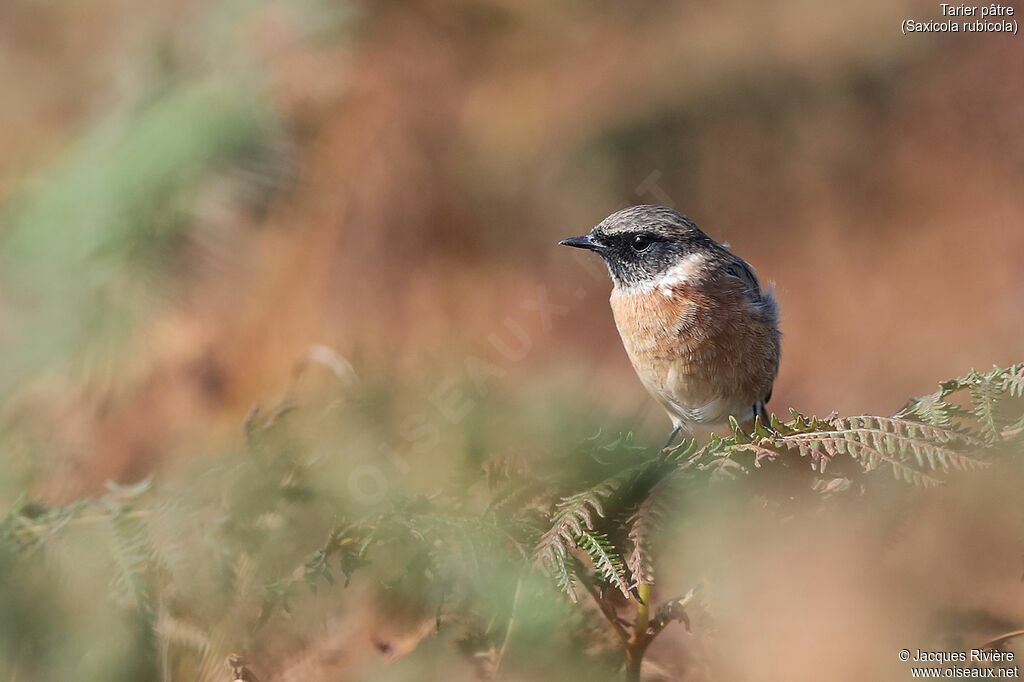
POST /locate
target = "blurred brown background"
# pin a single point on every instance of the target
(195, 194)
(430, 155)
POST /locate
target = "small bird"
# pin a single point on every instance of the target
(702, 335)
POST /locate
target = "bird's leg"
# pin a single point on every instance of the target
(672, 437)
(761, 411)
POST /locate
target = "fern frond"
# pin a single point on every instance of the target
(176, 631)
(606, 559)
(30, 524)
(985, 393)
(1013, 381)
(574, 517)
(599, 517)
(642, 524)
(576, 512)
(519, 496)
(912, 450)
(555, 559)
(134, 559)
(933, 409)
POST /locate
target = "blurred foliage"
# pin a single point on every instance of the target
(929, 438)
(210, 564)
(437, 161)
(89, 251)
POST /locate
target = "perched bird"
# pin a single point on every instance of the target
(701, 333)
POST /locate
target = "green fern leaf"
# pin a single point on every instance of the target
(607, 560)
(985, 397)
(1013, 381)
(134, 559)
(574, 517)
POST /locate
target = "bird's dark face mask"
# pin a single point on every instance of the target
(633, 257)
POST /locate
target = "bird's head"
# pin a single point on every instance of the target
(642, 244)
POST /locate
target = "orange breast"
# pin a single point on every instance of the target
(703, 352)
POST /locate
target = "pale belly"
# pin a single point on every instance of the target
(702, 359)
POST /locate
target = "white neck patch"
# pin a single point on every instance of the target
(683, 271)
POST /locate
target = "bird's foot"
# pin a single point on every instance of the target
(668, 447)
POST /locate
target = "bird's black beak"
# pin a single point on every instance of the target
(582, 242)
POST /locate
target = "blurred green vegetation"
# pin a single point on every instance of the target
(268, 549)
(92, 249)
(221, 555)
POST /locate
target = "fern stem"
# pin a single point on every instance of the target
(1001, 639)
(508, 628)
(95, 518)
(641, 638)
(643, 609)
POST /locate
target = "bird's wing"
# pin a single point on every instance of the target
(760, 301)
(739, 269)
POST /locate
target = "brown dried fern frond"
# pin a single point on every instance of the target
(642, 525)
(573, 517)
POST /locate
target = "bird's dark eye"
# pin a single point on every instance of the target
(640, 242)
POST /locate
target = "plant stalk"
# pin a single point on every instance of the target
(637, 644)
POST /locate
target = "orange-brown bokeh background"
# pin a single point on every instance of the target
(430, 156)
(438, 152)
